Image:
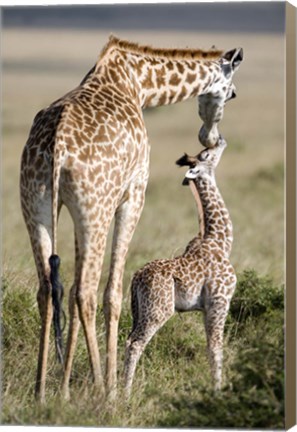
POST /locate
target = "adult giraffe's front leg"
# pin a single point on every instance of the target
(126, 218)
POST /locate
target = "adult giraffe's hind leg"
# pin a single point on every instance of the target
(74, 325)
(126, 218)
(91, 224)
(89, 273)
(39, 228)
(46, 312)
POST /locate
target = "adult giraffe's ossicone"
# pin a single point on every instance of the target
(89, 151)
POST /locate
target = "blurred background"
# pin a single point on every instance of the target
(46, 51)
(226, 17)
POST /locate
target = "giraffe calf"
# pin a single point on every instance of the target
(201, 279)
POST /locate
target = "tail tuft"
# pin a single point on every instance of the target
(57, 297)
(54, 262)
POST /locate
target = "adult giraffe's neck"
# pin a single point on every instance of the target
(217, 221)
(157, 76)
(164, 81)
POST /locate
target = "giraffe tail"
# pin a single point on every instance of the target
(57, 296)
(54, 260)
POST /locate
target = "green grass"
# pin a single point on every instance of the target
(172, 383)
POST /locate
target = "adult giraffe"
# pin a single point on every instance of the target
(89, 151)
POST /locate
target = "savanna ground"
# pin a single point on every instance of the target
(172, 385)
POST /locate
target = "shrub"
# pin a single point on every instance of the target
(254, 399)
(254, 296)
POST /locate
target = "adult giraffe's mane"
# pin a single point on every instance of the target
(191, 54)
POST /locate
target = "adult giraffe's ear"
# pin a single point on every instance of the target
(234, 57)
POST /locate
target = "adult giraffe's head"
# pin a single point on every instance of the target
(211, 103)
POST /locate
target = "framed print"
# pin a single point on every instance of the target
(149, 215)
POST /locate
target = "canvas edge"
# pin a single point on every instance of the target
(290, 252)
